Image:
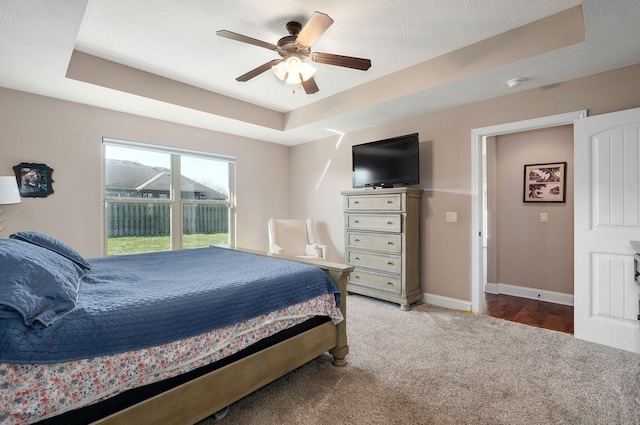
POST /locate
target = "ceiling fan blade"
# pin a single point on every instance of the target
(245, 39)
(317, 25)
(257, 71)
(310, 86)
(345, 61)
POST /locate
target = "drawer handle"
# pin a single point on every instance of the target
(356, 221)
(356, 240)
(357, 277)
(357, 259)
(389, 202)
(356, 202)
(390, 283)
(389, 222)
(389, 263)
(389, 243)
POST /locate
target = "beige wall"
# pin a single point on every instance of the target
(302, 181)
(522, 251)
(446, 168)
(67, 137)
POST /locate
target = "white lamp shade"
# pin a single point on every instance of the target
(307, 71)
(293, 78)
(280, 70)
(9, 193)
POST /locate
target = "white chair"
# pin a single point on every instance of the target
(295, 238)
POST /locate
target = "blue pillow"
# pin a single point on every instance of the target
(36, 283)
(54, 245)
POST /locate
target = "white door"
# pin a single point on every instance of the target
(607, 217)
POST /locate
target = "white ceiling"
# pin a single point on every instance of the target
(177, 40)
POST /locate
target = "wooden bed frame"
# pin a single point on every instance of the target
(202, 397)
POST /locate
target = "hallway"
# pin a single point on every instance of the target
(541, 314)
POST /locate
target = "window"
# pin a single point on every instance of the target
(159, 199)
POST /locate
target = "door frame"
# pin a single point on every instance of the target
(478, 136)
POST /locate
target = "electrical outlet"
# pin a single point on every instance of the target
(544, 218)
(452, 217)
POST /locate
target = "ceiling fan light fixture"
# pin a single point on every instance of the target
(293, 70)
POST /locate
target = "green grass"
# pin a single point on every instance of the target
(135, 244)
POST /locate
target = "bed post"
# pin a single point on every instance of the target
(339, 276)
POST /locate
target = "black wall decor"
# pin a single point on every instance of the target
(34, 180)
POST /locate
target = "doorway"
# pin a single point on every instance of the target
(478, 139)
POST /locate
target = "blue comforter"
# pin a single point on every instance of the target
(130, 302)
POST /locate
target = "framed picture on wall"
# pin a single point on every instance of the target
(34, 180)
(545, 182)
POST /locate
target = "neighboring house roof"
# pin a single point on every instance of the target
(132, 176)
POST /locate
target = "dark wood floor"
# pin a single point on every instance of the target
(546, 315)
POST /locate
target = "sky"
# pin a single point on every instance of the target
(206, 171)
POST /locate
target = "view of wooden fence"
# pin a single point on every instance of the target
(125, 219)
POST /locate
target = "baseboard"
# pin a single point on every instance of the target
(452, 303)
(531, 293)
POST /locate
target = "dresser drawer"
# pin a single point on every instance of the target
(382, 262)
(390, 202)
(386, 242)
(377, 222)
(374, 280)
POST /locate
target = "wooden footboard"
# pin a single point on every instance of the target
(203, 396)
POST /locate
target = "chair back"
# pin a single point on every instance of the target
(293, 237)
(290, 235)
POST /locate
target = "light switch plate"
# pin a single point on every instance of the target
(452, 216)
(544, 218)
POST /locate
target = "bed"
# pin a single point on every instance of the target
(195, 330)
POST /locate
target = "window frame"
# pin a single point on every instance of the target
(175, 199)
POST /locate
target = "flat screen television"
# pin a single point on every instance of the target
(387, 163)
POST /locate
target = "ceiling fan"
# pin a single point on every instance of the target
(294, 49)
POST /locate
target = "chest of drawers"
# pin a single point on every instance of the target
(382, 241)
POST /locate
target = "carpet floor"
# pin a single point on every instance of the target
(438, 366)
